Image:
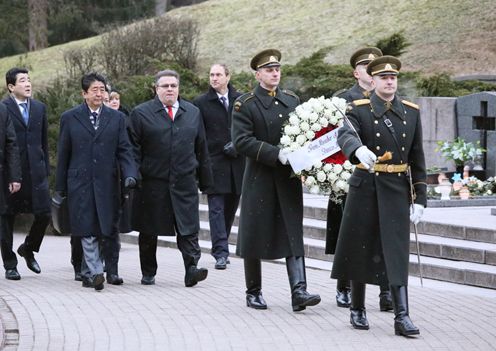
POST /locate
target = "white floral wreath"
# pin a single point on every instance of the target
(307, 122)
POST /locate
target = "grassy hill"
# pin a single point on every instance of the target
(453, 36)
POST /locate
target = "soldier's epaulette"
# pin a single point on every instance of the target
(411, 104)
(289, 92)
(242, 99)
(361, 102)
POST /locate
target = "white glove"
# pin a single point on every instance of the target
(416, 212)
(283, 156)
(366, 157)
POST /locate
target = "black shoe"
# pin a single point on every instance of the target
(227, 260)
(86, 282)
(256, 301)
(12, 274)
(403, 325)
(343, 298)
(358, 319)
(195, 275)
(29, 257)
(98, 281)
(78, 277)
(148, 280)
(221, 263)
(114, 279)
(302, 299)
(385, 301)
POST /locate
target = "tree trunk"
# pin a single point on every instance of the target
(38, 25)
(161, 6)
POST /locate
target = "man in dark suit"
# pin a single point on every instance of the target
(10, 170)
(171, 151)
(271, 222)
(374, 239)
(31, 125)
(227, 166)
(93, 143)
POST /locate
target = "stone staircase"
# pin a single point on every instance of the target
(452, 253)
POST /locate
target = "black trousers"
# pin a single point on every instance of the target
(187, 244)
(32, 242)
(221, 212)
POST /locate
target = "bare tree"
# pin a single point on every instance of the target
(38, 25)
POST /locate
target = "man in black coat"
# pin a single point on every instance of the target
(30, 122)
(271, 221)
(384, 138)
(227, 166)
(93, 143)
(172, 156)
(361, 90)
(10, 174)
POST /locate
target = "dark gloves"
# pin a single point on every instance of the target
(230, 150)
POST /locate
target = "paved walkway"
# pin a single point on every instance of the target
(51, 311)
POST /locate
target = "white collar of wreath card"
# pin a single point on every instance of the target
(315, 151)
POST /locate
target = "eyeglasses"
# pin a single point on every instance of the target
(173, 86)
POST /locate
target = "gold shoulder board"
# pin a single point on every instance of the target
(361, 102)
(411, 104)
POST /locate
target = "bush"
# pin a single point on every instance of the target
(393, 45)
(441, 85)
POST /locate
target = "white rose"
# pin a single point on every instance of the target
(337, 168)
(318, 107)
(288, 129)
(317, 164)
(333, 120)
(341, 184)
(347, 165)
(316, 127)
(294, 120)
(313, 117)
(310, 135)
(296, 130)
(321, 176)
(304, 115)
(315, 189)
(299, 109)
(285, 140)
(310, 181)
(332, 177)
(346, 188)
(345, 175)
(304, 126)
(489, 192)
(300, 139)
(323, 122)
(327, 167)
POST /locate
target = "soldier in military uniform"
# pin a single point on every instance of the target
(363, 87)
(374, 239)
(271, 221)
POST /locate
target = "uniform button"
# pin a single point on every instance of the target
(404, 122)
(377, 173)
(401, 161)
(378, 135)
(399, 174)
(280, 115)
(376, 122)
(276, 103)
(377, 147)
(404, 135)
(402, 148)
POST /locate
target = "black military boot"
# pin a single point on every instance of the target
(403, 325)
(343, 293)
(300, 298)
(253, 279)
(358, 317)
(385, 300)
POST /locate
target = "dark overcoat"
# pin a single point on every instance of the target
(87, 168)
(334, 210)
(271, 221)
(374, 238)
(173, 162)
(32, 140)
(227, 171)
(10, 164)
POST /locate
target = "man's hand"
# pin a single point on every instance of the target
(366, 157)
(14, 187)
(416, 212)
(283, 156)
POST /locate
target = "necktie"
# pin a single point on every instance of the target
(94, 119)
(169, 111)
(25, 113)
(224, 102)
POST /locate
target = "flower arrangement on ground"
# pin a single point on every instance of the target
(460, 151)
(309, 121)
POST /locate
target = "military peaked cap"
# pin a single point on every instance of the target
(364, 56)
(266, 58)
(384, 65)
